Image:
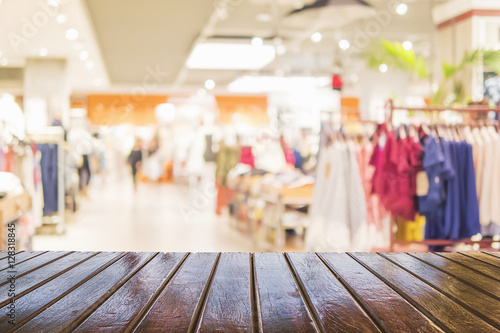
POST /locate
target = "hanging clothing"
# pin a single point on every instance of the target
(246, 156)
(227, 158)
(50, 181)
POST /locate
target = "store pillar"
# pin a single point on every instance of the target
(46, 92)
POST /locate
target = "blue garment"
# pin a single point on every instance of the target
(299, 161)
(454, 185)
(438, 170)
(470, 223)
(49, 170)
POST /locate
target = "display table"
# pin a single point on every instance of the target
(269, 292)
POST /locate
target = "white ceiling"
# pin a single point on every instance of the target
(137, 36)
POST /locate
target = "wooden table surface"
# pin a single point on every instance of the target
(252, 292)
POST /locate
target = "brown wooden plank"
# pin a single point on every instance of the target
(120, 311)
(27, 266)
(281, 305)
(477, 265)
(483, 257)
(176, 307)
(495, 254)
(36, 301)
(42, 275)
(462, 293)
(67, 313)
(229, 307)
(18, 258)
(428, 300)
(336, 309)
(461, 272)
(395, 313)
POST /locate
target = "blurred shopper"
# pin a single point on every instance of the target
(135, 160)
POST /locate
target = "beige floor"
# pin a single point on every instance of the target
(155, 218)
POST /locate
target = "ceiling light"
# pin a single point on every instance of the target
(280, 49)
(209, 84)
(61, 18)
(264, 17)
(43, 52)
(259, 84)
(53, 3)
(257, 42)
(4, 62)
(89, 64)
(402, 8)
(344, 44)
(407, 45)
(84, 55)
(201, 92)
(383, 68)
(71, 34)
(230, 56)
(316, 37)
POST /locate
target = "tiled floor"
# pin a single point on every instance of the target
(158, 217)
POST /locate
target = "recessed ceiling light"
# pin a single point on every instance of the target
(201, 92)
(264, 17)
(402, 8)
(407, 45)
(383, 68)
(53, 3)
(209, 84)
(257, 42)
(316, 37)
(71, 34)
(43, 52)
(230, 56)
(281, 49)
(344, 44)
(89, 64)
(4, 62)
(61, 18)
(84, 55)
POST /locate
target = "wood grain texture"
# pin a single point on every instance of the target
(483, 257)
(175, 307)
(228, 308)
(282, 307)
(28, 266)
(392, 310)
(462, 293)
(446, 313)
(483, 282)
(478, 265)
(4, 254)
(66, 314)
(18, 258)
(337, 310)
(36, 301)
(42, 275)
(495, 254)
(120, 310)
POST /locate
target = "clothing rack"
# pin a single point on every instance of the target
(436, 242)
(54, 135)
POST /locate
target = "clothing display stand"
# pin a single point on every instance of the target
(54, 135)
(391, 108)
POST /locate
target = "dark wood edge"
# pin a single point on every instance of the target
(57, 299)
(456, 277)
(403, 295)
(200, 308)
(470, 267)
(42, 265)
(145, 310)
(445, 293)
(41, 283)
(255, 298)
(305, 296)
(373, 317)
(479, 259)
